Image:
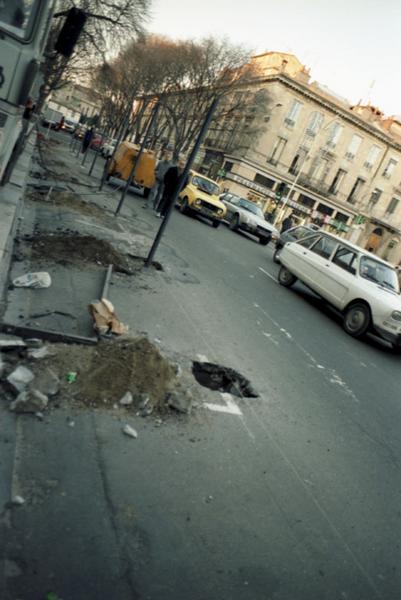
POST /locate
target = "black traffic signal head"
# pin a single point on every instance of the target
(70, 32)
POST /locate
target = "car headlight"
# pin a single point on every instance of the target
(198, 202)
(275, 237)
(396, 315)
(220, 211)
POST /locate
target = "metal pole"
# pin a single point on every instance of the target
(137, 158)
(183, 177)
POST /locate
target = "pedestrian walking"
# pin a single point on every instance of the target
(287, 223)
(86, 142)
(170, 181)
(163, 166)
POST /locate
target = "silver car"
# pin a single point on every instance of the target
(245, 215)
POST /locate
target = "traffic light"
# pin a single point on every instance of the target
(281, 190)
(70, 32)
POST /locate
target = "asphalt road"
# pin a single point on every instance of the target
(294, 495)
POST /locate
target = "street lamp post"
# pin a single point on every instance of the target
(294, 183)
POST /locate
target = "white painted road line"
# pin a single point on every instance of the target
(229, 407)
(268, 274)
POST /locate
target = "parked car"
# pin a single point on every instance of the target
(247, 216)
(201, 196)
(121, 166)
(295, 233)
(364, 288)
(70, 125)
(108, 148)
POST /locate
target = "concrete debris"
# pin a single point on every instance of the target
(38, 353)
(33, 280)
(209, 499)
(130, 431)
(20, 378)
(12, 344)
(47, 382)
(127, 399)
(18, 501)
(40, 416)
(29, 401)
(181, 401)
(2, 365)
(143, 401)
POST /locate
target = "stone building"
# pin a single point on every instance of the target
(317, 156)
(74, 101)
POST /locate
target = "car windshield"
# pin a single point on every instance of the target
(300, 232)
(17, 16)
(379, 273)
(251, 207)
(205, 185)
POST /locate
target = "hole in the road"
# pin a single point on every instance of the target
(223, 379)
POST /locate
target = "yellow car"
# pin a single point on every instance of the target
(201, 196)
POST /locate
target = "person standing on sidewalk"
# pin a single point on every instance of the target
(87, 140)
(162, 167)
(170, 181)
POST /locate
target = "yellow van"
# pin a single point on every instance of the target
(201, 195)
(123, 161)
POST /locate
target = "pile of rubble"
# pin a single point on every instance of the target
(126, 373)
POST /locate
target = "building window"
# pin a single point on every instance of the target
(293, 113)
(353, 147)
(374, 197)
(298, 161)
(392, 206)
(306, 201)
(338, 179)
(228, 166)
(315, 123)
(265, 181)
(321, 169)
(334, 135)
(277, 150)
(325, 210)
(356, 188)
(342, 217)
(389, 170)
(372, 156)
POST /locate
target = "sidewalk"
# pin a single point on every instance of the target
(11, 198)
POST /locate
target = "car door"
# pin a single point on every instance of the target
(231, 203)
(342, 275)
(318, 265)
(295, 256)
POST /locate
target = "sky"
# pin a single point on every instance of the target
(351, 46)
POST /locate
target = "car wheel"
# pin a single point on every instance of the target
(357, 319)
(276, 256)
(286, 278)
(215, 224)
(234, 223)
(263, 241)
(184, 206)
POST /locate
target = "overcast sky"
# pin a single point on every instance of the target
(348, 44)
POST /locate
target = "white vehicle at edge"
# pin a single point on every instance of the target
(362, 286)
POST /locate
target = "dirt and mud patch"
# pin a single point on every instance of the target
(101, 375)
(74, 249)
(71, 201)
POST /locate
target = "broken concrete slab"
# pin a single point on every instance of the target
(47, 382)
(127, 399)
(130, 431)
(181, 401)
(29, 401)
(20, 378)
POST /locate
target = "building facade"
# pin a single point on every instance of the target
(318, 157)
(75, 101)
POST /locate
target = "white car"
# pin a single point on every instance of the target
(246, 215)
(356, 282)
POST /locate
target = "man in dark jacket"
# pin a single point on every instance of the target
(287, 223)
(171, 180)
(87, 139)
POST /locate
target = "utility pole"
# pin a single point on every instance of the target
(137, 158)
(183, 177)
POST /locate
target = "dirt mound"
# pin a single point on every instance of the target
(68, 200)
(105, 372)
(85, 249)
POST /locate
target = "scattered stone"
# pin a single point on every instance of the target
(33, 342)
(40, 416)
(209, 499)
(20, 378)
(182, 402)
(115, 406)
(130, 431)
(29, 401)
(17, 501)
(47, 382)
(38, 353)
(143, 401)
(127, 399)
(158, 422)
(11, 344)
